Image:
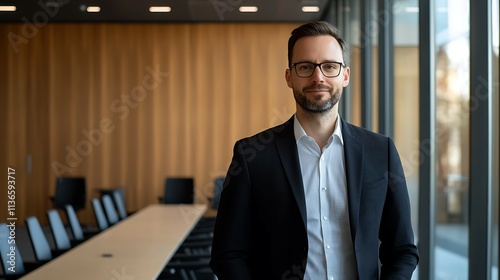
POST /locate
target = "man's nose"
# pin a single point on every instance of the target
(317, 75)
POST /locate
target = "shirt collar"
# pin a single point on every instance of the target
(300, 132)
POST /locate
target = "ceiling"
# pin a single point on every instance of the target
(194, 11)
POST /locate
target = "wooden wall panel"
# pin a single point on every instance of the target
(130, 104)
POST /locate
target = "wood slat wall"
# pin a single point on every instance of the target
(130, 104)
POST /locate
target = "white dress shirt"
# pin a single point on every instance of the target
(331, 254)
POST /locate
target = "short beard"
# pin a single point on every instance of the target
(314, 107)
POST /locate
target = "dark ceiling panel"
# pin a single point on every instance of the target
(43, 11)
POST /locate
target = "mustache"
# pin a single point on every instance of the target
(317, 87)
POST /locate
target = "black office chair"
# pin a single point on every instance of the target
(79, 233)
(207, 223)
(218, 186)
(72, 191)
(187, 270)
(39, 243)
(178, 191)
(74, 223)
(118, 195)
(102, 222)
(190, 262)
(110, 210)
(59, 233)
(12, 269)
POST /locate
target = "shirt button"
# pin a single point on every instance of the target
(331, 278)
(325, 218)
(323, 189)
(322, 158)
(327, 246)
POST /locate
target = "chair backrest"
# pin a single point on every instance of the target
(179, 191)
(70, 190)
(119, 199)
(61, 238)
(74, 223)
(102, 222)
(39, 242)
(218, 186)
(12, 262)
(109, 209)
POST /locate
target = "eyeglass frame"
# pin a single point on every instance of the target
(320, 69)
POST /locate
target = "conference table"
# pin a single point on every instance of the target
(138, 247)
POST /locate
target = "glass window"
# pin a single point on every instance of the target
(452, 139)
(496, 127)
(406, 97)
(353, 113)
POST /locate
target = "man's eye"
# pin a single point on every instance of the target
(332, 66)
(304, 67)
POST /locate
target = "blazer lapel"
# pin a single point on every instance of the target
(287, 150)
(353, 154)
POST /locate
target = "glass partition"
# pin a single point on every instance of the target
(406, 97)
(452, 138)
(496, 140)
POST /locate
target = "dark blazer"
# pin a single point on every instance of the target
(260, 231)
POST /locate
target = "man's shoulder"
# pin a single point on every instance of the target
(363, 135)
(270, 134)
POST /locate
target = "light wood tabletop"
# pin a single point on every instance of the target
(135, 248)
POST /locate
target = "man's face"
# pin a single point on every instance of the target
(317, 94)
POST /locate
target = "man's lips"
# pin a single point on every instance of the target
(317, 89)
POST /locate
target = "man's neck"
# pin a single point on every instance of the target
(319, 126)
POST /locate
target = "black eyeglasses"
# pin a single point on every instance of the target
(306, 69)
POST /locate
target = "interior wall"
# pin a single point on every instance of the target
(130, 104)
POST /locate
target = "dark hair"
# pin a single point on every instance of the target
(315, 28)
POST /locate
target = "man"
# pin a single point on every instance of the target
(316, 197)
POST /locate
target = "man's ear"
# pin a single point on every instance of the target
(347, 74)
(288, 77)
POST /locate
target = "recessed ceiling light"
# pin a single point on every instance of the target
(249, 9)
(160, 9)
(310, 9)
(93, 9)
(7, 8)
